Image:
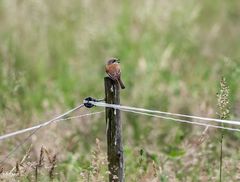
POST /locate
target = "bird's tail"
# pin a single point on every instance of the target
(121, 83)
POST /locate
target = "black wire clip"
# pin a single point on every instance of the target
(88, 99)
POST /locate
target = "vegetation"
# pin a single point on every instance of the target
(223, 107)
(173, 55)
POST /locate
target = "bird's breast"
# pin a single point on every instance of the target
(113, 68)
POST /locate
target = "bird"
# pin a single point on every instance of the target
(114, 71)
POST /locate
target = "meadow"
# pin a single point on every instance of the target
(173, 55)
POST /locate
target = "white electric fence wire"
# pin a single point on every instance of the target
(182, 121)
(36, 128)
(40, 125)
(135, 110)
(103, 104)
(44, 124)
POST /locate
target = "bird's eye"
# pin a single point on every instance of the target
(117, 60)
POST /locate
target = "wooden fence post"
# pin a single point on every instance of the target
(114, 132)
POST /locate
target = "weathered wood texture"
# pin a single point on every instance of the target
(114, 132)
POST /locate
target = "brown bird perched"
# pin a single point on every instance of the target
(114, 71)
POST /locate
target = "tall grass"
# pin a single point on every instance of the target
(52, 55)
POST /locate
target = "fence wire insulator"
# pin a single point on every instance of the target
(87, 103)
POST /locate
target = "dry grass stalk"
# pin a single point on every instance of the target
(17, 169)
(41, 157)
(48, 155)
(53, 165)
(98, 168)
(29, 169)
(23, 160)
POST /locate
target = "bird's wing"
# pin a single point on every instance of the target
(110, 76)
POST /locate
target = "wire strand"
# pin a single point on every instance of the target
(31, 134)
(182, 121)
(40, 125)
(36, 128)
(103, 104)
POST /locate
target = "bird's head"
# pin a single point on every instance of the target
(113, 61)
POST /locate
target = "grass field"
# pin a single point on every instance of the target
(173, 56)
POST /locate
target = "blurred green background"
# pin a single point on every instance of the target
(173, 55)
